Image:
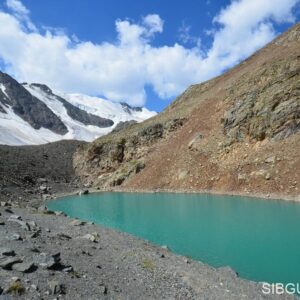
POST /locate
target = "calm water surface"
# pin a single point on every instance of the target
(258, 238)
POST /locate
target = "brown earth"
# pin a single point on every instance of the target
(237, 133)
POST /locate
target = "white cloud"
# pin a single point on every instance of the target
(17, 7)
(185, 36)
(121, 70)
(21, 13)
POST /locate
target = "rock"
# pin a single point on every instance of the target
(83, 192)
(270, 160)
(15, 237)
(77, 223)
(56, 288)
(122, 125)
(268, 176)
(48, 261)
(152, 132)
(139, 167)
(60, 213)
(63, 236)
(68, 269)
(8, 210)
(8, 263)
(2, 223)
(93, 237)
(14, 217)
(23, 224)
(42, 209)
(242, 177)
(23, 267)
(165, 247)
(193, 143)
(182, 175)
(41, 180)
(35, 234)
(228, 272)
(103, 289)
(4, 204)
(34, 287)
(7, 252)
(261, 173)
(32, 224)
(43, 188)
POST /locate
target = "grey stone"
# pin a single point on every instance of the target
(14, 217)
(23, 267)
(15, 237)
(23, 224)
(7, 252)
(83, 192)
(270, 160)
(68, 269)
(48, 261)
(77, 223)
(8, 263)
(103, 289)
(60, 213)
(42, 208)
(56, 288)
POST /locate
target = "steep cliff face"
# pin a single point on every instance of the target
(29, 108)
(238, 132)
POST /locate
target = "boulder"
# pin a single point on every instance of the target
(83, 192)
(23, 267)
(77, 223)
(48, 261)
(8, 263)
(7, 252)
(56, 288)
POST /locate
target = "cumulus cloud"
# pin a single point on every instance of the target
(121, 70)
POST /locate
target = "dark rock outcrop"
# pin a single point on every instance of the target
(129, 109)
(28, 107)
(265, 105)
(74, 112)
(122, 125)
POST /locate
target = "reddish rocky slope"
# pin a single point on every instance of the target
(236, 133)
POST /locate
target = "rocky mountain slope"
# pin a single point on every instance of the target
(238, 132)
(34, 114)
(32, 172)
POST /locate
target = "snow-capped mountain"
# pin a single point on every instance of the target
(34, 114)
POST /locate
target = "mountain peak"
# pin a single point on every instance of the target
(34, 114)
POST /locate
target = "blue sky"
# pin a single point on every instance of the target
(145, 53)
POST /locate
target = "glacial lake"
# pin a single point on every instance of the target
(260, 239)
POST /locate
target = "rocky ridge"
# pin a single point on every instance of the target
(238, 133)
(28, 107)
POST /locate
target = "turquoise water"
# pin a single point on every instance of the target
(260, 239)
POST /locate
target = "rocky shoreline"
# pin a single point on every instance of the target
(47, 255)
